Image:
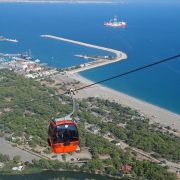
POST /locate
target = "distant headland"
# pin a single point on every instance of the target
(65, 1)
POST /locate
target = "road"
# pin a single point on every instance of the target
(7, 148)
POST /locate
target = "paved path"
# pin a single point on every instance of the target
(6, 148)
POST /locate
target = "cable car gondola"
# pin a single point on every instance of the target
(63, 136)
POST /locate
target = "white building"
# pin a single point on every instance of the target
(19, 168)
(1, 165)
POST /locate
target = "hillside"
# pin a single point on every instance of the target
(26, 107)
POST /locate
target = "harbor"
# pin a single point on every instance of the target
(26, 64)
(119, 55)
(125, 109)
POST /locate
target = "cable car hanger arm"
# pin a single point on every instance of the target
(71, 92)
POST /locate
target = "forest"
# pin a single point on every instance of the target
(26, 107)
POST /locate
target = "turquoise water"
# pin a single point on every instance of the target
(152, 33)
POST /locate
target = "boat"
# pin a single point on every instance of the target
(37, 61)
(115, 23)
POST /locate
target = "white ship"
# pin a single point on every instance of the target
(115, 23)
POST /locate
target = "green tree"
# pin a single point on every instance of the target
(17, 159)
(111, 170)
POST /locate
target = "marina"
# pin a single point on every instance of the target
(119, 55)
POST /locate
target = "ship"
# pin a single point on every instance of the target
(115, 23)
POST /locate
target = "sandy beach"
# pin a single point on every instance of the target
(154, 113)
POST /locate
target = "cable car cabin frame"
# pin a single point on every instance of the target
(63, 136)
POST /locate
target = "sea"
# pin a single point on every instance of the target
(152, 34)
(49, 174)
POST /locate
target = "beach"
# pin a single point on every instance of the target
(154, 113)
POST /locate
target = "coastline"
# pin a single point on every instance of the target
(64, 1)
(155, 113)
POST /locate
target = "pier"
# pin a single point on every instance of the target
(100, 62)
(7, 39)
(8, 55)
(85, 57)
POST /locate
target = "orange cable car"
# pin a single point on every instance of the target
(63, 136)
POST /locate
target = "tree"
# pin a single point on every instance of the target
(16, 159)
(111, 170)
(94, 164)
(4, 158)
(64, 156)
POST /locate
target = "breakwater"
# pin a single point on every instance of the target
(119, 55)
